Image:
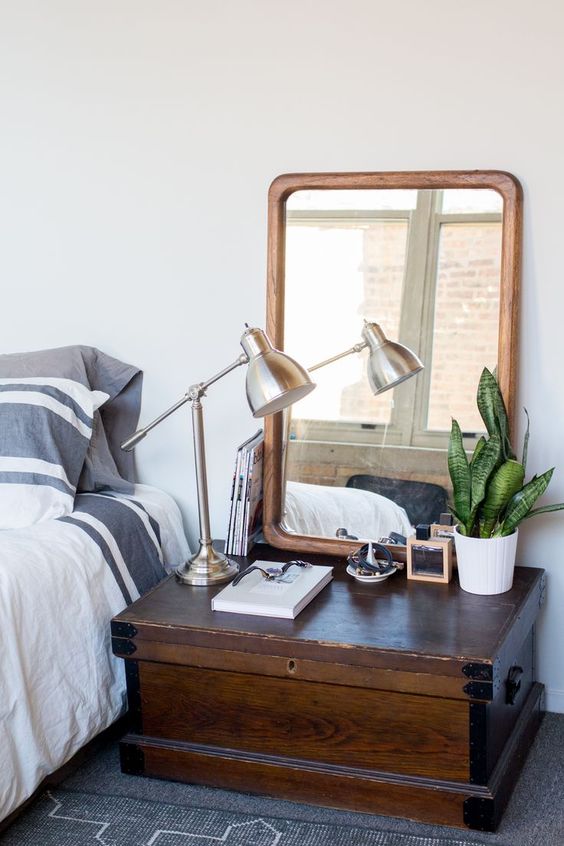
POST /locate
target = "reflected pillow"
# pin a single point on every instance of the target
(45, 430)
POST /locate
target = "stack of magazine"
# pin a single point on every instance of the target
(245, 517)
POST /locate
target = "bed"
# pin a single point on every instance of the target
(321, 510)
(79, 541)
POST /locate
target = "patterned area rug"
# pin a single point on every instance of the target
(64, 818)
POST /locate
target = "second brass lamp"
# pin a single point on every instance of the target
(389, 362)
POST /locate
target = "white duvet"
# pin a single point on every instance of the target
(321, 510)
(59, 682)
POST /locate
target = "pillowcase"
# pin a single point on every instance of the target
(106, 465)
(45, 430)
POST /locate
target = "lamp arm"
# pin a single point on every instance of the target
(356, 349)
(195, 392)
(242, 359)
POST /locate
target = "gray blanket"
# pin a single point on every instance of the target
(139, 545)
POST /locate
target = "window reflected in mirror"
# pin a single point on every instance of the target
(425, 265)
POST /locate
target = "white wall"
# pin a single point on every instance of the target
(137, 143)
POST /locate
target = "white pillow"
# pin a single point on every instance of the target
(45, 430)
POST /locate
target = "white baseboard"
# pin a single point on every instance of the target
(554, 700)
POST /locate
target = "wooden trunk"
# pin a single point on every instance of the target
(409, 699)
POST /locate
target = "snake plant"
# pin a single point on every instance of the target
(490, 495)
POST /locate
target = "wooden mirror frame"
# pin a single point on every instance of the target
(282, 187)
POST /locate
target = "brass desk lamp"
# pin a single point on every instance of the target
(274, 381)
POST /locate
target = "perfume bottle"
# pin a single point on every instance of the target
(429, 559)
(444, 528)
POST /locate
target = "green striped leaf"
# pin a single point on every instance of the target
(459, 471)
(504, 484)
(486, 401)
(492, 409)
(522, 502)
(545, 509)
(478, 448)
(502, 422)
(526, 441)
(481, 469)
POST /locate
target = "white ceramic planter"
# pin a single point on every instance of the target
(485, 565)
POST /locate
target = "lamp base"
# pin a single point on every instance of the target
(207, 567)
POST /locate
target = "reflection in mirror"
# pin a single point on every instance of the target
(425, 265)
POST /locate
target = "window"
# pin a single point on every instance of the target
(423, 264)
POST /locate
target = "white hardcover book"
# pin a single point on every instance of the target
(284, 597)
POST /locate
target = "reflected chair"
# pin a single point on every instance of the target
(423, 501)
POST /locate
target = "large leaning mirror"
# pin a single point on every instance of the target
(428, 260)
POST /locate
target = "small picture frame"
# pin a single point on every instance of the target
(429, 560)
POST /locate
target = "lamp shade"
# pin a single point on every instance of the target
(389, 363)
(274, 379)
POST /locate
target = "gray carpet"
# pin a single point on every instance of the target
(63, 818)
(112, 809)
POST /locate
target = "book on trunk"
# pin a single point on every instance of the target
(282, 597)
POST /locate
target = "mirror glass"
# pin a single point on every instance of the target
(424, 265)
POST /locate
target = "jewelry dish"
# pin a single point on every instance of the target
(376, 577)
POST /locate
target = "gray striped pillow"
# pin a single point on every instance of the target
(45, 430)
